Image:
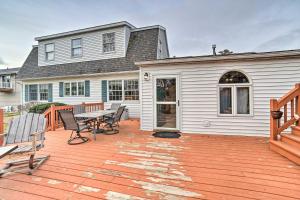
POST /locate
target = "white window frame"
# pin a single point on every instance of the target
(234, 87)
(39, 92)
(80, 47)
(77, 83)
(234, 99)
(114, 42)
(123, 90)
(138, 89)
(46, 52)
(108, 99)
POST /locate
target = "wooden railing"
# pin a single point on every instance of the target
(52, 116)
(289, 104)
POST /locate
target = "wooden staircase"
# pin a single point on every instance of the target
(286, 144)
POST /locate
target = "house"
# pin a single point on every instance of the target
(217, 94)
(92, 65)
(213, 94)
(10, 89)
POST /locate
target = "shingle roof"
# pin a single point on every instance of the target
(142, 46)
(9, 71)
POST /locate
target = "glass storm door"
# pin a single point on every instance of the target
(166, 102)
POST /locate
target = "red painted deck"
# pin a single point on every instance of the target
(133, 165)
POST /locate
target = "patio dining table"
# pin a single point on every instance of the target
(97, 115)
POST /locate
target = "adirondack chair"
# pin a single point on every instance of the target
(28, 132)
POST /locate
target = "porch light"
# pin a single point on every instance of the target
(146, 76)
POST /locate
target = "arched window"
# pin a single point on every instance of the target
(234, 94)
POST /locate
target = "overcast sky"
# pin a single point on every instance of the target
(192, 25)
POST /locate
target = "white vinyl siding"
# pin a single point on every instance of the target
(199, 90)
(95, 91)
(92, 47)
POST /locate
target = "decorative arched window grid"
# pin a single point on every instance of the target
(235, 94)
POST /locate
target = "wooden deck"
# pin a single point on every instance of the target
(133, 165)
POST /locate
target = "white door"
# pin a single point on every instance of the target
(166, 102)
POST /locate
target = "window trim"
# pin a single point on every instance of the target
(46, 58)
(123, 90)
(108, 99)
(38, 93)
(234, 87)
(70, 82)
(81, 47)
(108, 52)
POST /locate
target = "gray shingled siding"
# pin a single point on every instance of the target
(142, 46)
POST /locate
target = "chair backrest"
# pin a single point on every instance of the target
(118, 115)
(21, 128)
(78, 109)
(68, 119)
(115, 106)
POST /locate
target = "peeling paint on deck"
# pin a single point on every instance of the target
(88, 175)
(164, 146)
(83, 188)
(149, 154)
(153, 187)
(136, 166)
(119, 196)
(53, 182)
(170, 176)
(112, 173)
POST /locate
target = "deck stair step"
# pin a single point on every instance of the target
(291, 139)
(296, 130)
(290, 152)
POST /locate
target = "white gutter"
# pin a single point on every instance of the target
(82, 75)
(233, 57)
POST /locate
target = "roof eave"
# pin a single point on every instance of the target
(219, 58)
(79, 75)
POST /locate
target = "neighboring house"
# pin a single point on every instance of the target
(227, 94)
(92, 65)
(10, 90)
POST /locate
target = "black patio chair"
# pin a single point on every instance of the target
(70, 123)
(111, 122)
(114, 106)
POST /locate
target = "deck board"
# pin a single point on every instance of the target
(134, 165)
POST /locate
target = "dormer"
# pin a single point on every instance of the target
(95, 43)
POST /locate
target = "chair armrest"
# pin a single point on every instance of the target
(3, 134)
(37, 133)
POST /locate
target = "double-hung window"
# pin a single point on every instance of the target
(44, 92)
(131, 89)
(234, 94)
(33, 92)
(76, 47)
(49, 52)
(123, 90)
(115, 90)
(108, 42)
(74, 89)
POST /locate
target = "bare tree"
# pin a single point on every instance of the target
(225, 52)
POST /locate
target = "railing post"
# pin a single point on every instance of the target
(273, 122)
(52, 117)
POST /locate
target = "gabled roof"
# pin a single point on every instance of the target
(142, 46)
(9, 71)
